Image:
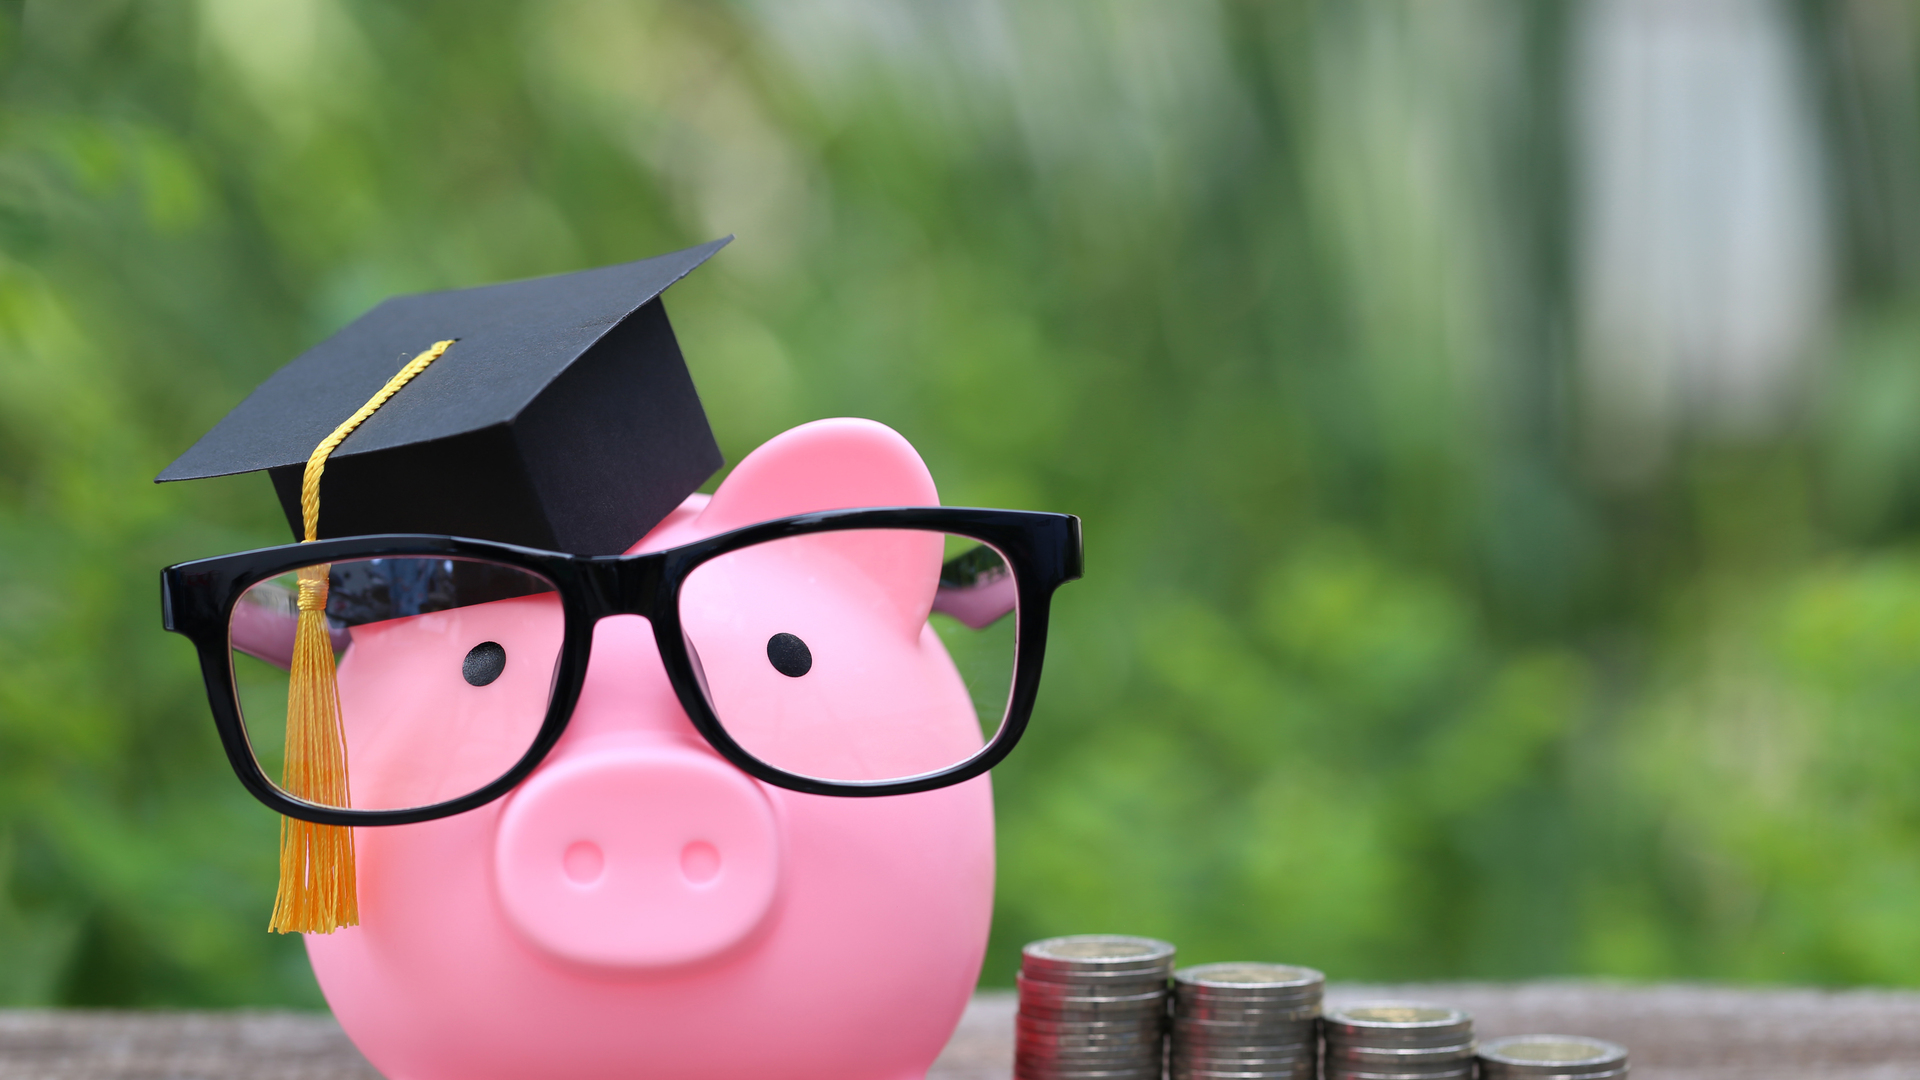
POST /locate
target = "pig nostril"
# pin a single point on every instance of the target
(700, 862)
(583, 862)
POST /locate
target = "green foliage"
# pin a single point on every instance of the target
(1365, 673)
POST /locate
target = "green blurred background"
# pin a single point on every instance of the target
(1493, 422)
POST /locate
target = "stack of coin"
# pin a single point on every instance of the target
(1552, 1057)
(1246, 1021)
(1092, 1007)
(1398, 1040)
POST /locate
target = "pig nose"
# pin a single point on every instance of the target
(637, 856)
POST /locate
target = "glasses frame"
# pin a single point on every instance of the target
(1041, 549)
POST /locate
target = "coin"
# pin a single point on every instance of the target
(1065, 993)
(1247, 1053)
(1237, 979)
(1108, 1011)
(1397, 1040)
(1301, 1067)
(1095, 954)
(1234, 1015)
(1295, 1073)
(1456, 1073)
(1562, 1057)
(1229, 1021)
(1045, 1028)
(1396, 1021)
(1392, 1057)
(1032, 1071)
(1259, 1064)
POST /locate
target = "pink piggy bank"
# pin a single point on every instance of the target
(639, 906)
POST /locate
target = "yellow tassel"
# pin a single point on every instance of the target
(318, 893)
(318, 888)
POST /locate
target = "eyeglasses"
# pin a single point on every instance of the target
(849, 652)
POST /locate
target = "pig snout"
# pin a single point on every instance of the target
(637, 855)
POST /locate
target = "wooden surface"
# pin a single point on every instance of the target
(1674, 1033)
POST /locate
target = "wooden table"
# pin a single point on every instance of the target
(1674, 1033)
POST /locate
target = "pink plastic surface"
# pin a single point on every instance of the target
(639, 907)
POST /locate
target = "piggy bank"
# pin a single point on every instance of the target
(639, 906)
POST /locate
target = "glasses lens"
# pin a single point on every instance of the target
(385, 684)
(863, 655)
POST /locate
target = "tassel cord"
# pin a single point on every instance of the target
(319, 888)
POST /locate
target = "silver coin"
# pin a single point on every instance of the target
(1240, 1045)
(1551, 1055)
(1306, 1069)
(1388, 1021)
(1304, 1038)
(1036, 1025)
(1097, 978)
(1407, 1042)
(1046, 1005)
(1041, 989)
(1302, 1073)
(1306, 1015)
(1097, 953)
(1256, 1051)
(1049, 1073)
(1135, 1036)
(1040, 1071)
(1497, 1072)
(1150, 1063)
(1301, 1068)
(1450, 1073)
(1242, 1050)
(1045, 1073)
(1449, 1064)
(1246, 1048)
(1391, 1058)
(1080, 995)
(1139, 1012)
(1246, 1002)
(1043, 1046)
(1186, 1036)
(1403, 1042)
(1132, 1042)
(1262, 1061)
(1285, 1073)
(1089, 1059)
(1104, 1015)
(1232, 1064)
(1097, 1046)
(1273, 1014)
(1083, 1061)
(1139, 1036)
(1250, 979)
(1136, 1052)
(1227, 1019)
(1036, 1004)
(1093, 1008)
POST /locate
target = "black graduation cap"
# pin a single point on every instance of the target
(562, 417)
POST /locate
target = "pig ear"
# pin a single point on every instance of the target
(842, 464)
(836, 464)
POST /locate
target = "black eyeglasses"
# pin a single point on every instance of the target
(849, 652)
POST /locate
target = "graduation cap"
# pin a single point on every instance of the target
(555, 412)
(562, 417)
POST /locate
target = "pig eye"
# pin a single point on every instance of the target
(789, 655)
(486, 661)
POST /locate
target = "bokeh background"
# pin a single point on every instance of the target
(1496, 424)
